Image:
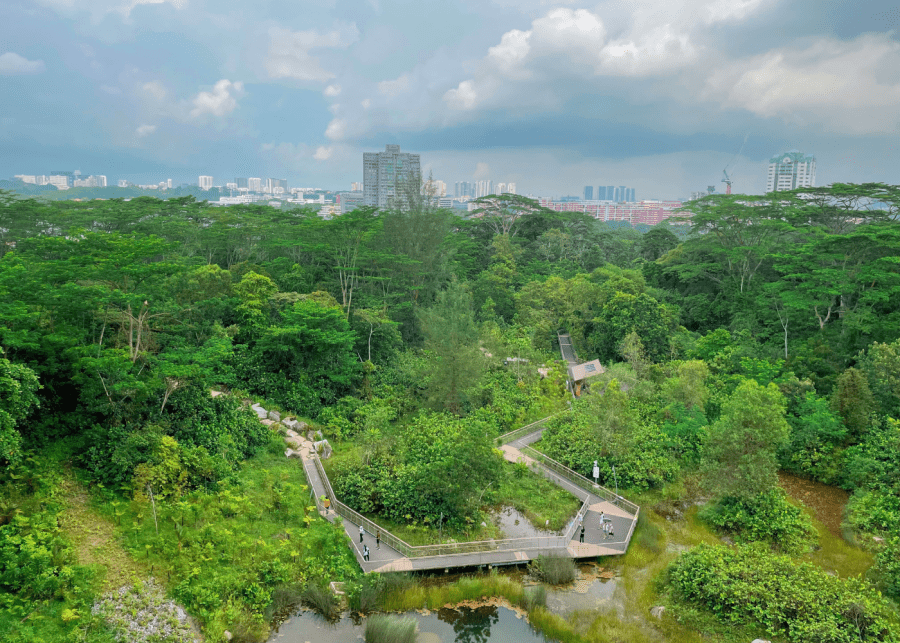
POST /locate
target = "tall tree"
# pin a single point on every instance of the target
(739, 458)
(452, 337)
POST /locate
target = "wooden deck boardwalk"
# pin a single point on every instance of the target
(395, 555)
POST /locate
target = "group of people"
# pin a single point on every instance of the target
(362, 533)
(606, 526)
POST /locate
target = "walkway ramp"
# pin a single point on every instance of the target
(394, 554)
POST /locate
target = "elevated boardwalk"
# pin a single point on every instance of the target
(396, 555)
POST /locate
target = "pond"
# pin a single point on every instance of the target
(486, 624)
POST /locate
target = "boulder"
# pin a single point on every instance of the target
(290, 433)
(658, 611)
(227, 635)
(267, 422)
(275, 415)
(261, 413)
(291, 424)
(878, 540)
(761, 641)
(314, 436)
(290, 453)
(301, 426)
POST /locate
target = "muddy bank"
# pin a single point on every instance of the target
(826, 502)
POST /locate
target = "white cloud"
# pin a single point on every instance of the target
(323, 153)
(336, 129)
(99, 8)
(289, 51)
(332, 90)
(155, 90)
(12, 64)
(366, 103)
(394, 87)
(463, 97)
(221, 101)
(847, 86)
(145, 130)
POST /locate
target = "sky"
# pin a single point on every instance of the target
(659, 95)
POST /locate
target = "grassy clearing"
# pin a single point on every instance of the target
(235, 556)
(94, 538)
(535, 496)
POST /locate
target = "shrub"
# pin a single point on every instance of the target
(800, 602)
(555, 570)
(381, 628)
(768, 517)
(320, 598)
(534, 597)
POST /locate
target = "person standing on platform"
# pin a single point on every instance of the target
(361, 533)
(378, 539)
(366, 553)
(581, 537)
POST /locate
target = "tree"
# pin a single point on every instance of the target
(739, 459)
(502, 212)
(624, 314)
(852, 400)
(451, 335)
(657, 242)
(18, 388)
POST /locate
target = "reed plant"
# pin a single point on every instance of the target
(382, 628)
(555, 570)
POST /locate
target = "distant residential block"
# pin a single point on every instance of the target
(790, 171)
(385, 173)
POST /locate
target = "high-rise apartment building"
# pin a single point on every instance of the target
(356, 186)
(511, 188)
(589, 193)
(790, 171)
(241, 182)
(629, 197)
(386, 173)
(276, 186)
(205, 182)
(254, 184)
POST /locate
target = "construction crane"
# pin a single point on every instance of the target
(726, 179)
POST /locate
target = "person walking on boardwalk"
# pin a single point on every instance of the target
(361, 533)
(366, 553)
(581, 537)
(378, 539)
(327, 502)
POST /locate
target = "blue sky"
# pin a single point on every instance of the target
(658, 94)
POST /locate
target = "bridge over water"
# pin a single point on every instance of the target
(397, 555)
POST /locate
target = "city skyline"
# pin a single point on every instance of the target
(546, 96)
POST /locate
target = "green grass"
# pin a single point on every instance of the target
(556, 570)
(224, 554)
(382, 628)
(535, 496)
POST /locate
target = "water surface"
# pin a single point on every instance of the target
(489, 624)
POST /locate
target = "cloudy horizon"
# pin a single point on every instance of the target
(659, 95)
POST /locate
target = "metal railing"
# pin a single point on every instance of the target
(484, 546)
(443, 549)
(580, 480)
(528, 429)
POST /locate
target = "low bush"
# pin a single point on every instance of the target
(534, 597)
(381, 628)
(555, 570)
(798, 601)
(320, 598)
(768, 517)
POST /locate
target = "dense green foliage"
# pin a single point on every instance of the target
(797, 601)
(760, 333)
(768, 517)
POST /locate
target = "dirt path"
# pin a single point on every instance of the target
(826, 502)
(94, 538)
